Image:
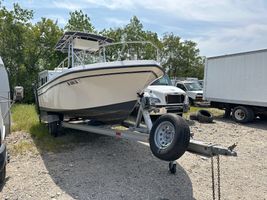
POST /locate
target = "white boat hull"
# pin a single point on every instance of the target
(106, 93)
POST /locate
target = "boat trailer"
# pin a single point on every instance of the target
(169, 136)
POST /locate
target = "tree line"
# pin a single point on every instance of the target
(28, 48)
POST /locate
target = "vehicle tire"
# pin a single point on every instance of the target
(242, 114)
(193, 116)
(53, 128)
(227, 113)
(191, 102)
(263, 116)
(169, 137)
(3, 175)
(204, 116)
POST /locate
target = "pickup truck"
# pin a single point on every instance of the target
(194, 91)
(166, 98)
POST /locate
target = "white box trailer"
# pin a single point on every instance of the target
(238, 84)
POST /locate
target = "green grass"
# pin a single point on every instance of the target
(25, 119)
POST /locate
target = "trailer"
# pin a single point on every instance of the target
(169, 136)
(237, 83)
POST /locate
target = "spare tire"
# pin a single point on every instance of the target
(193, 116)
(169, 137)
(204, 116)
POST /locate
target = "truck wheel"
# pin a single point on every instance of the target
(204, 116)
(191, 102)
(53, 128)
(169, 137)
(3, 175)
(242, 114)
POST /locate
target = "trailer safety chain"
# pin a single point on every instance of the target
(218, 178)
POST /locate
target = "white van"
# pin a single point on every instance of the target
(4, 118)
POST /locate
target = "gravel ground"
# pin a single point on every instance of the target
(108, 168)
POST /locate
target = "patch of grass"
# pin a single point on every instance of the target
(24, 116)
(25, 119)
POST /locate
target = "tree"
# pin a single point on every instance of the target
(26, 48)
(79, 22)
(14, 25)
(181, 57)
(132, 32)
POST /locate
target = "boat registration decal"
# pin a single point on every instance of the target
(73, 82)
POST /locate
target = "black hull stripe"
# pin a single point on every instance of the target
(81, 77)
(114, 112)
(94, 69)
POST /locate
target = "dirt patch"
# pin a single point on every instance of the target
(107, 168)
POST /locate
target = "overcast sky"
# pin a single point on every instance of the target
(218, 26)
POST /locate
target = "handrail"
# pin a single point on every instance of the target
(130, 42)
(102, 53)
(62, 63)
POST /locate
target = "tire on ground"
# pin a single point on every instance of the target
(204, 116)
(180, 140)
(243, 114)
(193, 116)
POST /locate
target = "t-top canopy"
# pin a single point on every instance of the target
(80, 41)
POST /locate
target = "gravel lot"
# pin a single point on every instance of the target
(107, 168)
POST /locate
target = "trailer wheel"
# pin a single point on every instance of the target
(204, 116)
(53, 128)
(263, 116)
(169, 137)
(242, 114)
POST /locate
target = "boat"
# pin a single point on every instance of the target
(103, 90)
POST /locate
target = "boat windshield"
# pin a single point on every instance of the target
(194, 86)
(164, 80)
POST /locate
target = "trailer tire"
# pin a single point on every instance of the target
(204, 116)
(169, 137)
(53, 128)
(242, 114)
(193, 116)
(263, 116)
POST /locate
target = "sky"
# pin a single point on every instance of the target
(218, 26)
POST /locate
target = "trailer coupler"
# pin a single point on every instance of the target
(210, 150)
